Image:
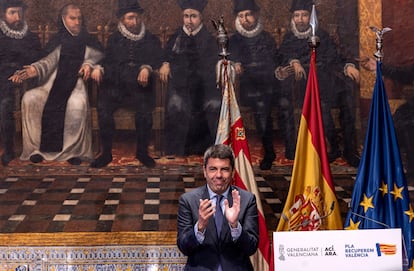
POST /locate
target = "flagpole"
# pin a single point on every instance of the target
(311, 186)
(231, 131)
(379, 55)
(380, 196)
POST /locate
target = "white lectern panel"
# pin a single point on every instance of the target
(347, 250)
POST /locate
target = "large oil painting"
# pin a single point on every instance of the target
(132, 208)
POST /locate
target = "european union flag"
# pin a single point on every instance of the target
(380, 198)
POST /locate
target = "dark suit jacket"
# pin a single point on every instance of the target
(232, 255)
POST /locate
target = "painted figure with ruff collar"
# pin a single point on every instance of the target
(131, 54)
(332, 68)
(193, 101)
(18, 47)
(254, 52)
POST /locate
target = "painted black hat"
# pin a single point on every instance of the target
(240, 5)
(125, 6)
(301, 5)
(5, 4)
(198, 5)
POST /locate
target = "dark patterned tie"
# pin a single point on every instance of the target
(219, 215)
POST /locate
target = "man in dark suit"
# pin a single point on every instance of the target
(228, 245)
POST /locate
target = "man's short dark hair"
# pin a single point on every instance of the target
(220, 151)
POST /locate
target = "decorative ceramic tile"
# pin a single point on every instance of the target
(92, 258)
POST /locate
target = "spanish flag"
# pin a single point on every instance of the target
(231, 132)
(311, 203)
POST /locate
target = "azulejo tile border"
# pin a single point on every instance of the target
(147, 257)
(90, 251)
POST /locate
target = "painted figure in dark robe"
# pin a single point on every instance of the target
(18, 46)
(255, 54)
(295, 54)
(131, 54)
(55, 115)
(193, 100)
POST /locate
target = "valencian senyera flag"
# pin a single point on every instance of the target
(231, 132)
(311, 203)
(380, 198)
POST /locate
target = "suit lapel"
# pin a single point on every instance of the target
(211, 226)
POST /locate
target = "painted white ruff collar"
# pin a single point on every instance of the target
(246, 33)
(195, 32)
(14, 34)
(129, 35)
(297, 33)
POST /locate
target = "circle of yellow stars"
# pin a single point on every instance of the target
(367, 204)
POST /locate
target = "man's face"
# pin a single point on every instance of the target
(14, 17)
(301, 18)
(73, 20)
(192, 19)
(247, 19)
(219, 174)
(132, 22)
